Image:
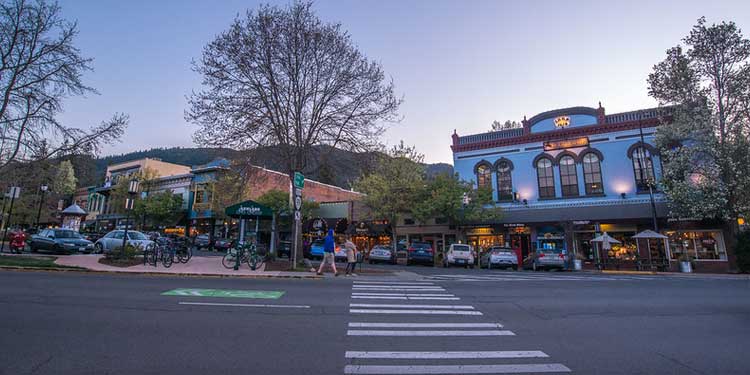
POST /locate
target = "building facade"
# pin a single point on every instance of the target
(571, 174)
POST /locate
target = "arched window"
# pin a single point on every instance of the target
(546, 178)
(504, 181)
(568, 176)
(643, 168)
(592, 174)
(484, 176)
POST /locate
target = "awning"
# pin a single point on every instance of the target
(321, 225)
(367, 228)
(249, 209)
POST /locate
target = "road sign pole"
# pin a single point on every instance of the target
(10, 212)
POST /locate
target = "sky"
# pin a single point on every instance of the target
(459, 65)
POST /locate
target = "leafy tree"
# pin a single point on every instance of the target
(447, 196)
(497, 125)
(705, 148)
(39, 68)
(65, 180)
(395, 186)
(159, 208)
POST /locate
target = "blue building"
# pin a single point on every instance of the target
(570, 174)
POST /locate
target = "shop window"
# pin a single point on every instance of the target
(484, 176)
(546, 178)
(643, 168)
(700, 245)
(504, 182)
(592, 174)
(568, 177)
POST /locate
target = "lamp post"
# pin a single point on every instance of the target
(42, 190)
(129, 204)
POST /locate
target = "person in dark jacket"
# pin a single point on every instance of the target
(329, 253)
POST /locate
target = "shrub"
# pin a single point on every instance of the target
(742, 250)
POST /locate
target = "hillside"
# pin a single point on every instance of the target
(332, 166)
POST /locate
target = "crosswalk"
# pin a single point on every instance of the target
(531, 277)
(392, 335)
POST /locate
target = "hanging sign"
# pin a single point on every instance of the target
(566, 143)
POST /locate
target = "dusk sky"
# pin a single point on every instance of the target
(458, 64)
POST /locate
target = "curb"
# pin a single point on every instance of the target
(163, 274)
(612, 272)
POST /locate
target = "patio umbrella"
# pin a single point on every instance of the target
(649, 235)
(606, 242)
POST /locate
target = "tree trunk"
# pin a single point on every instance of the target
(730, 232)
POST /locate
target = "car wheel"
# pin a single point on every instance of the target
(98, 249)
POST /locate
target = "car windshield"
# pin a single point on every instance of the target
(136, 236)
(417, 245)
(317, 243)
(382, 248)
(461, 247)
(66, 234)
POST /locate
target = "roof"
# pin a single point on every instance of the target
(74, 210)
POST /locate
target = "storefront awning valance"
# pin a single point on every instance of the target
(249, 209)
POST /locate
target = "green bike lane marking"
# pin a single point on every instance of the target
(226, 293)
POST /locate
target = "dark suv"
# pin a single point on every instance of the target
(420, 252)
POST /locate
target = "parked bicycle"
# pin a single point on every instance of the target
(247, 253)
(164, 253)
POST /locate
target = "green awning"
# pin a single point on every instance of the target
(249, 209)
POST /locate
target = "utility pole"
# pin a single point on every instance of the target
(15, 192)
(42, 189)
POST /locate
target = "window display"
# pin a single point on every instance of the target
(700, 245)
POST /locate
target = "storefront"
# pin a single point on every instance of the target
(481, 238)
(368, 234)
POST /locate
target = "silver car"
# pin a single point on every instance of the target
(499, 257)
(381, 253)
(545, 259)
(113, 240)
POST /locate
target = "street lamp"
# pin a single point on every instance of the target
(42, 189)
(129, 204)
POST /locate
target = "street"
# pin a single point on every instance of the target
(508, 322)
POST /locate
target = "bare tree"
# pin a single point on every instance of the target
(282, 77)
(39, 67)
(497, 125)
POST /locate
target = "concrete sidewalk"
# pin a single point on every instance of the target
(197, 266)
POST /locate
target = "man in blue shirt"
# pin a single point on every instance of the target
(329, 253)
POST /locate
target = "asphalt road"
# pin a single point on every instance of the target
(488, 322)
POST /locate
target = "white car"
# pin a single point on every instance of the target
(499, 257)
(113, 240)
(382, 254)
(459, 255)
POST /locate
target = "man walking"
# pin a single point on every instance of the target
(329, 256)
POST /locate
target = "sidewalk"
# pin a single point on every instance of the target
(197, 266)
(672, 274)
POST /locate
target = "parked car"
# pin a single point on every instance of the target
(285, 249)
(420, 252)
(459, 255)
(202, 241)
(60, 241)
(223, 244)
(545, 259)
(92, 236)
(382, 254)
(499, 257)
(113, 240)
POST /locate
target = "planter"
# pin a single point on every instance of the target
(577, 264)
(686, 267)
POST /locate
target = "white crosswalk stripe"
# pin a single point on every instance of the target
(392, 361)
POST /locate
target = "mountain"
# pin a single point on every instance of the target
(327, 165)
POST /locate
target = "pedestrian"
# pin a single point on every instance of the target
(351, 256)
(329, 255)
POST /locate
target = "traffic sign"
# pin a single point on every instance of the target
(297, 192)
(299, 180)
(297, 215)
(297, 203)
(15, 192)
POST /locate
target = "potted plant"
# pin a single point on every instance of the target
(685, 265)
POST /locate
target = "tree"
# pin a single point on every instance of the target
(393, 189)
(497, 126)
(448, 197)
(40, 67)
(705, 148)
(159, 207)
(65, 180)
(282, 77)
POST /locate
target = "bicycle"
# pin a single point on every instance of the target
(155, 253)
(247, 254)
(182, 252)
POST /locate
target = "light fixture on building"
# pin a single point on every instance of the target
(740, 221)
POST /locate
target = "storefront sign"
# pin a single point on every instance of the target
(362, 228)
(480, 231)
(319, 225)
(513, 225)
(248, 210)
(566, 143)
(581, 222)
